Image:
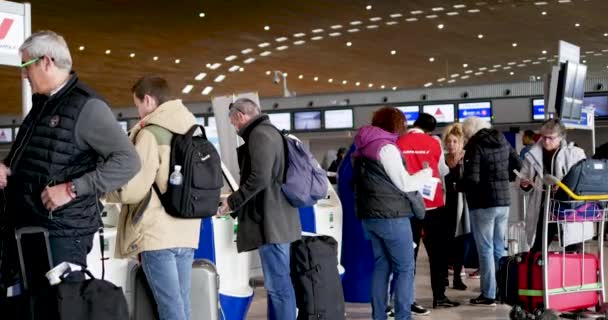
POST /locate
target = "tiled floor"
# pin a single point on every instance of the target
(363, 311)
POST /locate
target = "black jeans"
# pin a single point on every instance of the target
(436, 227)
(71, 249)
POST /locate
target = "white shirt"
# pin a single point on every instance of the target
(390, 158)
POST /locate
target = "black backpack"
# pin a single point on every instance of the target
(586, 177)
(315, 278)
(199, 194)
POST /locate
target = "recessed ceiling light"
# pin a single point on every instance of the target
(480, 36)
(299, 35)
(417, 12)
(394, 88)
(514, 44)
(438, 9)
(465, 65)
(357, 83)
(605, 34)
(187, 88)
(451, 81)
(344, 82)
(249, 60)
(390, 23)
(544, 13)
(200, 76)
(382, 87)
(234, 68)
(281, 48)
(431, 59)
(265, 53)
(219, 78)
(214, 66)
(393, 52)
(355, 23)
(464, 77)
(368, 7)
(207, 90)
(372, 26)
(263, 44)
(330, 80)
(281, 39)
(132, 55)
(348, 44)
(540, 3)
(317, 30)
(300, 76)
(459, 6)
(432, 16)
(455, 75)
(316, 38)
(353, 30)
(370, 85)
(473, 10)
(482, 68)
(411, 19)
(108, 51)
(241, 69)
(155, 58)
(374, 19)
(316, 78)
(335, 34)
(299, 42)
(268, 72)
(428, 84)
(336, 26)
(452, 13)
(440, 26)
(246, 51)
(177, 61)
(441, 80)
(81, 48)
(544, 52)
(478, 73)
(396, 15)
(576, 25)
(266, 28)
(202, 14)
(538, 78)
(584, 61)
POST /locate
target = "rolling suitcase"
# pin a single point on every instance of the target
(507, 284)
(204, 293)
(565, 270)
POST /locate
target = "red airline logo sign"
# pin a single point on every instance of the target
(5, 26)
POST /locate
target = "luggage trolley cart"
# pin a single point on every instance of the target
(571, 282)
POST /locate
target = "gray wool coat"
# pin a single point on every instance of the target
(265, 216)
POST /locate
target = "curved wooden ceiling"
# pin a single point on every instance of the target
(171, 30)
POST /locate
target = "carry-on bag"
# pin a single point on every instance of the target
(568, 274)
(507, 283)
(315, 277)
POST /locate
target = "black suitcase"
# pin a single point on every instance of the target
(507, 285)
(315, 277)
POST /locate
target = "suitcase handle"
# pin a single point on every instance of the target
(30, 230)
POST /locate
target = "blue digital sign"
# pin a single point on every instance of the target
(481, 110)
(538, 109)
(410, 113)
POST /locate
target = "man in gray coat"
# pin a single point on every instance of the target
(266, 220)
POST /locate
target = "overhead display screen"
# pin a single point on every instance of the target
(410, 113)
(443, 113)
(339, 119)
(281, 120)
(600, 103)
(481, 110)
(538, 109)
(308, 120)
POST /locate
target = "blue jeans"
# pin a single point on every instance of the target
(277, 281)
(489, 226)
(393, 250)
(169, 273)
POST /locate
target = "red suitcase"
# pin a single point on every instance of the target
(531, 284)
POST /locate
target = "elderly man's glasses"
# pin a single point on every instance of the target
(24, 64)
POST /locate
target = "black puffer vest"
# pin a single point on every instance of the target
(45, 153)
(375, 195)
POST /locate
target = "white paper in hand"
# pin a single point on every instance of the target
(429, 188)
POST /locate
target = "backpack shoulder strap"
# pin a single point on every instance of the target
(283, 134)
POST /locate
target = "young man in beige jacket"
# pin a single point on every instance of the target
(166, 244)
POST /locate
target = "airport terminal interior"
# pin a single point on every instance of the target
(320, 70)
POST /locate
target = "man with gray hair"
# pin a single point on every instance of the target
(489, 162)
(69, 151)
(266, 219)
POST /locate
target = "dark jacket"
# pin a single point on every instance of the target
(489, 161)
(264, 214)
(45, 153)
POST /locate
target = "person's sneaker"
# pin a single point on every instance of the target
(444, 303)
(390, 315)
(474, 274)
(419, 310)
(459, 285)
(450, 270)
(483, 301)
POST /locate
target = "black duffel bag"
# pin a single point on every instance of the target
(586, 177)
(315, 277)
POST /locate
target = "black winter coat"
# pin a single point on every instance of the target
(488, 168)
